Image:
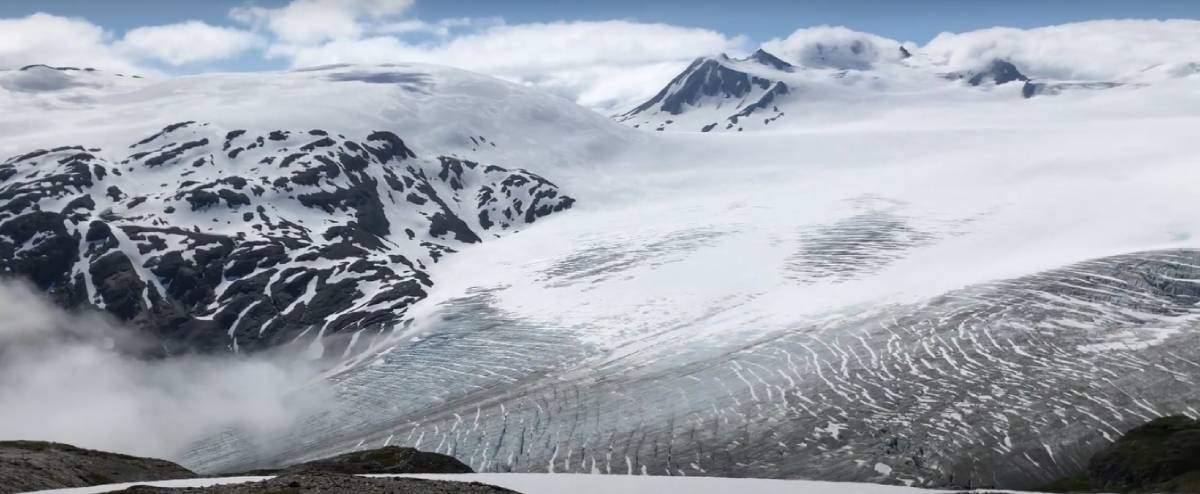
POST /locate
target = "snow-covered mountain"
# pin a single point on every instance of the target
(760, 91)
(211, 236)
(740, 88)
(961, 289)
(915, 276)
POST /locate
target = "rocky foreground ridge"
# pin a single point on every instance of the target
(35, 465)
(1160, 456)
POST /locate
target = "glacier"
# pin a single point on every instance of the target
(977, 296)
(935, 285)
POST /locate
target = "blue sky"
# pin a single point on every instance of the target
(912, 20)
(602, 54)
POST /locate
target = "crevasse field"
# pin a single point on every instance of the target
(908, 280)
(970, 289)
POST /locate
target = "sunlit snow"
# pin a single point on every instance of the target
(950, 285)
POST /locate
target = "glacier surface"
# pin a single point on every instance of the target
(931, 287)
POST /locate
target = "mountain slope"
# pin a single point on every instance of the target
(213, 237)
(763, 91)
(943, 298)
(436, 110)
(34, 465)
(962, 289)
(722, 85)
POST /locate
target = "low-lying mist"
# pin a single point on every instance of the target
(77, 378)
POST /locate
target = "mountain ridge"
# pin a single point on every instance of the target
(721, 93)
(223, 245)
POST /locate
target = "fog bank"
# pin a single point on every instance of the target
(75, 378)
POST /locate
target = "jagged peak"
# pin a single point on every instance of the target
(718, 76)
(766, 58)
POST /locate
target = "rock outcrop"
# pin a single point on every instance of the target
(1160, 456)
(37, 465)
(325, 483)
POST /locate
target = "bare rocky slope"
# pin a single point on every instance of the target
(1162, 455)
(36, 465)
(332, 483)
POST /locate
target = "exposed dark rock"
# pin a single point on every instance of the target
(704, 77)
(715, 81)
(1161, 456)
(441, 223)
(997, 72)
(1031, 88)
(329, 483)
(201, 199)
(36, 465)
(118, 285)
(173, 153)
(762, 56)
(166, 130)
(46, 262)
(319, 143)
(238, 272)
(388, 459)
(764, 102)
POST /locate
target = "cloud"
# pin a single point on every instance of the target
(604, 64)
(441, 28)
(54, 40)
(313, 21)
(77, 378)
(186, 42)
(64, 41)
(1095, 50)
(834, 47)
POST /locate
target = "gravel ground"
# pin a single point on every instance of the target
(330, 483)
(36, 465)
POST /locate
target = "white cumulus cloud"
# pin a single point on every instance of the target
(64, 41)
(1098, 50)
(78, 378)
(606, 65)
(834, 47)
(55, 40)
(603, 64)
(313, 21)
(186, 42)
(441, 28)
